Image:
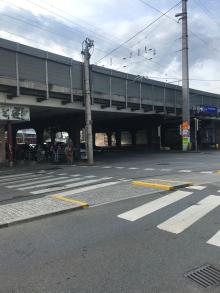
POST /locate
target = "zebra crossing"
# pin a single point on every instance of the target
(49, 183)
(183, 219)
(162, 170)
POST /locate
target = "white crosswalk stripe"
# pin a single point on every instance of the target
(58, 182)
(18, 179)
(35, 182)
(189, 216)
(87, 188)
(53, 189)
(196, 187)
(154, 205)
(12, 176)
(215, 240)
(206, 172)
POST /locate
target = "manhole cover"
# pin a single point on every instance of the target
(206, 276)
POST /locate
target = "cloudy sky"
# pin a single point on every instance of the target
(61, 26)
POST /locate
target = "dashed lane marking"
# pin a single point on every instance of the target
(185, 171)
(149, 169)
(206, 172)
(133, 168)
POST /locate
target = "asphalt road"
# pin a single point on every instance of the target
(94, 250)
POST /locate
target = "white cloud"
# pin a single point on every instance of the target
(110, 23)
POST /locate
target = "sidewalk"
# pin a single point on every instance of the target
(28, 210)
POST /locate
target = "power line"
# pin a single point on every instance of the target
(174, 20)
(69, 28)
(207, 11)
(139, 32)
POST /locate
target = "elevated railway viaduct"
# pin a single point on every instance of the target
(51, 86)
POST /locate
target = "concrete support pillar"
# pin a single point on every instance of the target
(93, 139)
(2, 145)
(133, 137)
(74, 135)
(40, 135)
(10, 144)
(149, 137)
(109, 135)
(53, 136)
(118, 138)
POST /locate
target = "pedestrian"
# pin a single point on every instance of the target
(69, 153)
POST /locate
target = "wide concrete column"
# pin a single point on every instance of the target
(109, 135)
(2, 145)
(40, 135)
(10, 144)
(74, 135)
(133, 137)
(118, 138)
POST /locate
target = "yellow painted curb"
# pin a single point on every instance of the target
(154, 185)
(60, 197)
(218, 171)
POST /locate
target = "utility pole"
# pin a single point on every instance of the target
(196, 120)
(185, 79)
(86, 46)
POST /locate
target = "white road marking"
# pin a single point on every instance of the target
(87, 188)
(133, 168)
(62, 174)
(206, 172)
(119, 167)
(189, 216)
(106, 167)
(185, 171)
(29, 178)
(215, 240)
(165, 169)
(52, 183)
(154, 205)
(196, 187)
(52, 189)
(75, 175)
(35, 182)
(18, 175)
(149, 169)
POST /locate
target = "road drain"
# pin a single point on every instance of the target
(206, 276)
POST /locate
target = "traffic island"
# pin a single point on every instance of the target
(29, 210)
(161, 184)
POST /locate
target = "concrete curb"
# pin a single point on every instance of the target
(162, 186)
(31, 219)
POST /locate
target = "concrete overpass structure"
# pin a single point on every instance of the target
(52, 87)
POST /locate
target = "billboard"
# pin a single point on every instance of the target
(14, 113)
